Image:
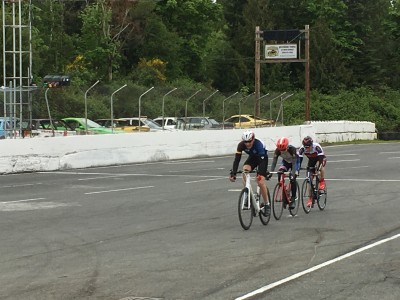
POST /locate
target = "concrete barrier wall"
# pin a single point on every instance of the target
(69, 152)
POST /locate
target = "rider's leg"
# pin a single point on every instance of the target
(263, 187)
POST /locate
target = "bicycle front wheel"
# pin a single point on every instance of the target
(277, 202)
(306, 196)
(245, 209)
(294, 211)
(265, 212)
(322, 197)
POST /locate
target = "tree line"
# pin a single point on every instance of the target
(209, 45)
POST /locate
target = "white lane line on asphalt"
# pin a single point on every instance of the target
(25, 200)
(394, 157)
(315, 268)
(389, 152)
(19, 185)
(119, 190)
(350, 154)
(205, 180)
(344, 160)
(352, 167)
(363, 180)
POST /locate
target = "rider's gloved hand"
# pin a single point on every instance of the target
(268, 177)
(232, 177)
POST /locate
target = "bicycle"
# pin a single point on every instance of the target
(249, 203)
(282, 196)
(310, 190)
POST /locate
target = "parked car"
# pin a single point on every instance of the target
(249, 121)
(169, 122)
(121, 125)
(10, 127)
(191, 123)
(144, 121)
(79, 124)
(57, 127)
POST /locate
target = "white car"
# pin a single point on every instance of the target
(169, 122)
(144, 122)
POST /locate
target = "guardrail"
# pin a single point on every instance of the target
(68, 152)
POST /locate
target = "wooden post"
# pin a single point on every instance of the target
(257, 72)
(307, 73)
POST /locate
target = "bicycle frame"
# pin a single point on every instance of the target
(252, 198)
(310, 189)
(313, 179)
(249, 203)
(282, 195)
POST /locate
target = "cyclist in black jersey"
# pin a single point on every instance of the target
(258, 157)
(290, 161)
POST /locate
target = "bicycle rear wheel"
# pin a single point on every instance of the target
(265, 214)
(245, 209)
(321, 202)
(277, 202)
(306, 195)
(294, 211)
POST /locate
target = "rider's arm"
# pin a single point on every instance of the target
(236, 162)
(275, 160)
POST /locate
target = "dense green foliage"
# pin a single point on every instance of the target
(209, 45)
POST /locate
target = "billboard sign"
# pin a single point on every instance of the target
(281, 51)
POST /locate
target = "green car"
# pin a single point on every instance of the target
(79, 124)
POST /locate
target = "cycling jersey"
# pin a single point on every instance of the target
(290, 158)
(258, 156)
(314, 153)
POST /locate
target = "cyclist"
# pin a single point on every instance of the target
(316, 158)
(258, 156)
(290, 161)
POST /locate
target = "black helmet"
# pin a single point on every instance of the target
(307, 141)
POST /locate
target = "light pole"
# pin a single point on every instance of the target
(140, 104)
(86, 131)
(255, 108)
(270, 105)
(48, 111)
(281, 108)
(240, 108)
(223, 109)
(186, 104)
(204, 103)
(162, 107)
(112, 107)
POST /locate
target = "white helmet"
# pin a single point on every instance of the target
(248, 136)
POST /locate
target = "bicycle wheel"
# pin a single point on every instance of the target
(322, 197)
(245, 209)
(277, 202)
(265, 214)
(295, 210)
(306, 194)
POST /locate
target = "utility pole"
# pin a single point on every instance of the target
(257, 71)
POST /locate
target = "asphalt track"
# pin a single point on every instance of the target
(170, 230)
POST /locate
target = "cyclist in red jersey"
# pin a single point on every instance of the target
(316, 158)
(258, 156)
(290, 161)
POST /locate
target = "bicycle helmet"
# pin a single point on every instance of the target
(248, 136)
(307, 141)
(282, 144)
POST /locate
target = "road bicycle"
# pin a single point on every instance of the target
(310, 191)
(249, 203)
(282, 196)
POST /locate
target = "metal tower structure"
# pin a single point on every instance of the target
(17, 63)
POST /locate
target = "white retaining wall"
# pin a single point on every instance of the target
(58, 153)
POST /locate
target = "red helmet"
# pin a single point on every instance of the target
(307, 141)
(282, 144)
